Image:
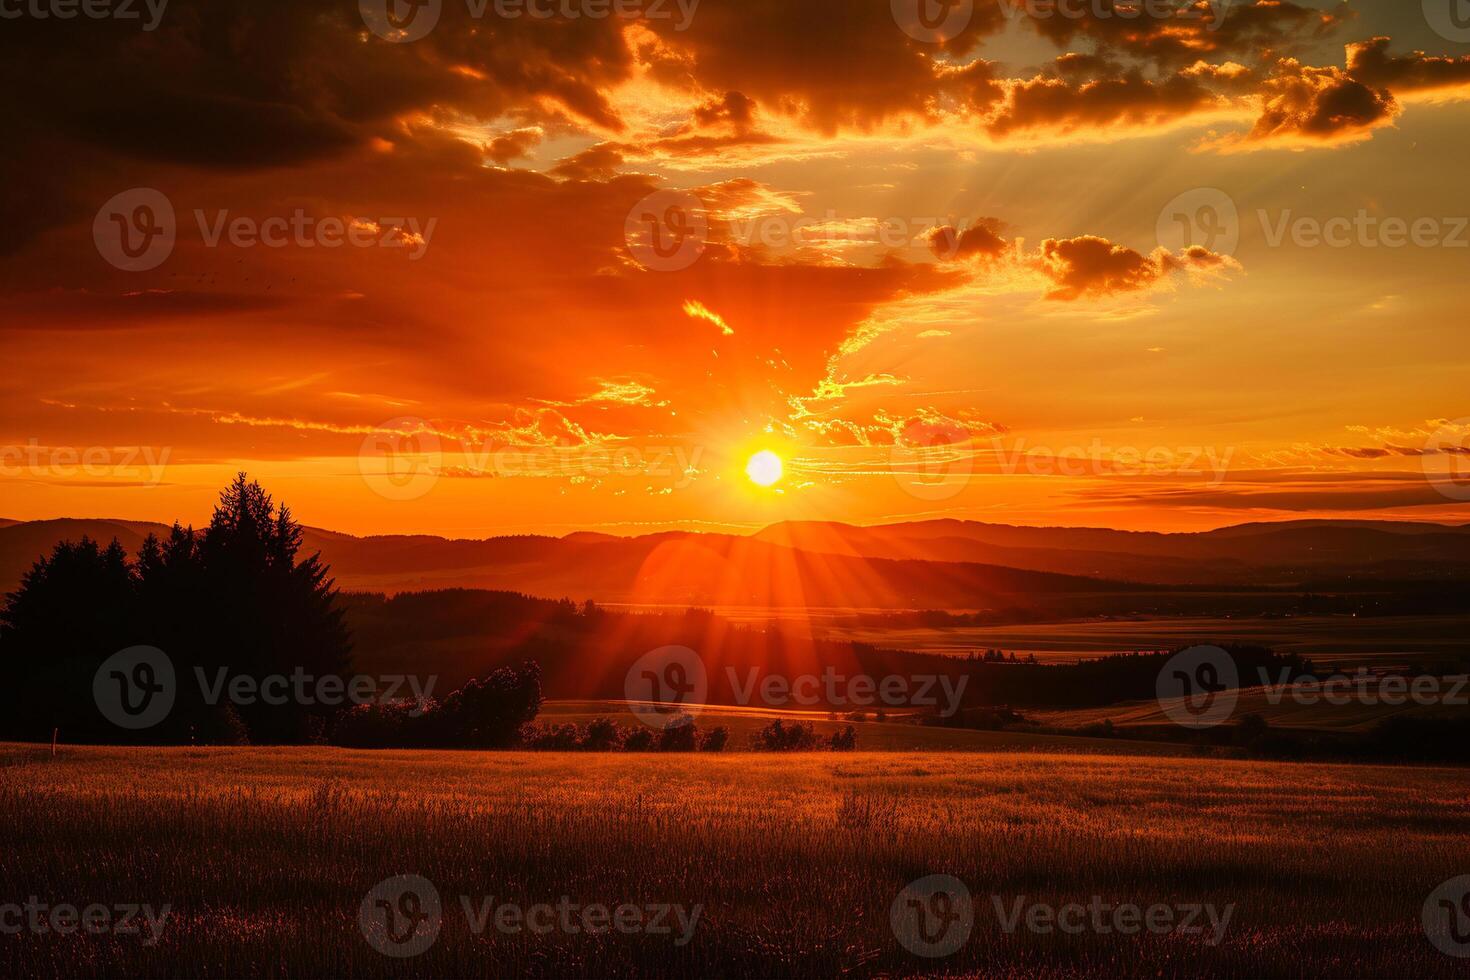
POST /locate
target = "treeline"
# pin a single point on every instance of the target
(585, 651)
(234, 597)
(200, 612)
(1439, 596)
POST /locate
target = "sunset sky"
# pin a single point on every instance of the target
(939, 273)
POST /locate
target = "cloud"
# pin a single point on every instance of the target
(831, 64)
(1092, 267)
(699, 311)
(516, 143)
(1062, 106)
(732, 109)
(1304, 106)
(981, 240)
(1087, 266)
(1197, 29)
(594, 163)
(1370, 63)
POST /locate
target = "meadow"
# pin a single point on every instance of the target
(1344, 641)
(265, 856)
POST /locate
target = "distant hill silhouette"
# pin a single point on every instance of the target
(1286, 554)
(931, 564)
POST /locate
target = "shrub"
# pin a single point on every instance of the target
(679, 736)
(488, 713)
(378, 726)
(601, 735)
(844, 741)
(552, 738)
(491, 713)
(780, 737)
(715, 739)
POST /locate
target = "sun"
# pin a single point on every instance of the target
(764, 468)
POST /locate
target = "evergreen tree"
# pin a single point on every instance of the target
(231, 600)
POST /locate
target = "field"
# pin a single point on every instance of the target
(266, 856)
(1344, 641)
(1277, 710)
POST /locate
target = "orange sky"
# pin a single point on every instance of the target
(991, 274)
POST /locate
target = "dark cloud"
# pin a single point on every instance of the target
(1370, 63)
(1198, 29)
(594, 163)
(517, 143)
(1063, 105)
(982, 239)
(1322, 104)
(831, 63)
(1094, 267)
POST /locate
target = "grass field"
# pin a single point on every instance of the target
(265, 856)
(1342, 641)
(1278, 709)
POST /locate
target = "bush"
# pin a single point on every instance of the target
(844, 741)
(780, 737)
(552, 738)
(488, 713)
(378, 726)
(715, 739)
(680, 736)
(601, 735)
(494, 712)
(638, 740)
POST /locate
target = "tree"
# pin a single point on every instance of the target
(73, 610)
(233, 599)
(267, 612)
(488, 713)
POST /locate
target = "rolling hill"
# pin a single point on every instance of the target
(934, 564)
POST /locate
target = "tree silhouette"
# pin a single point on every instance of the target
(267, 613)
(68, 616)
(231, 600)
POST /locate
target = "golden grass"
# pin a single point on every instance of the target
(266, 853)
